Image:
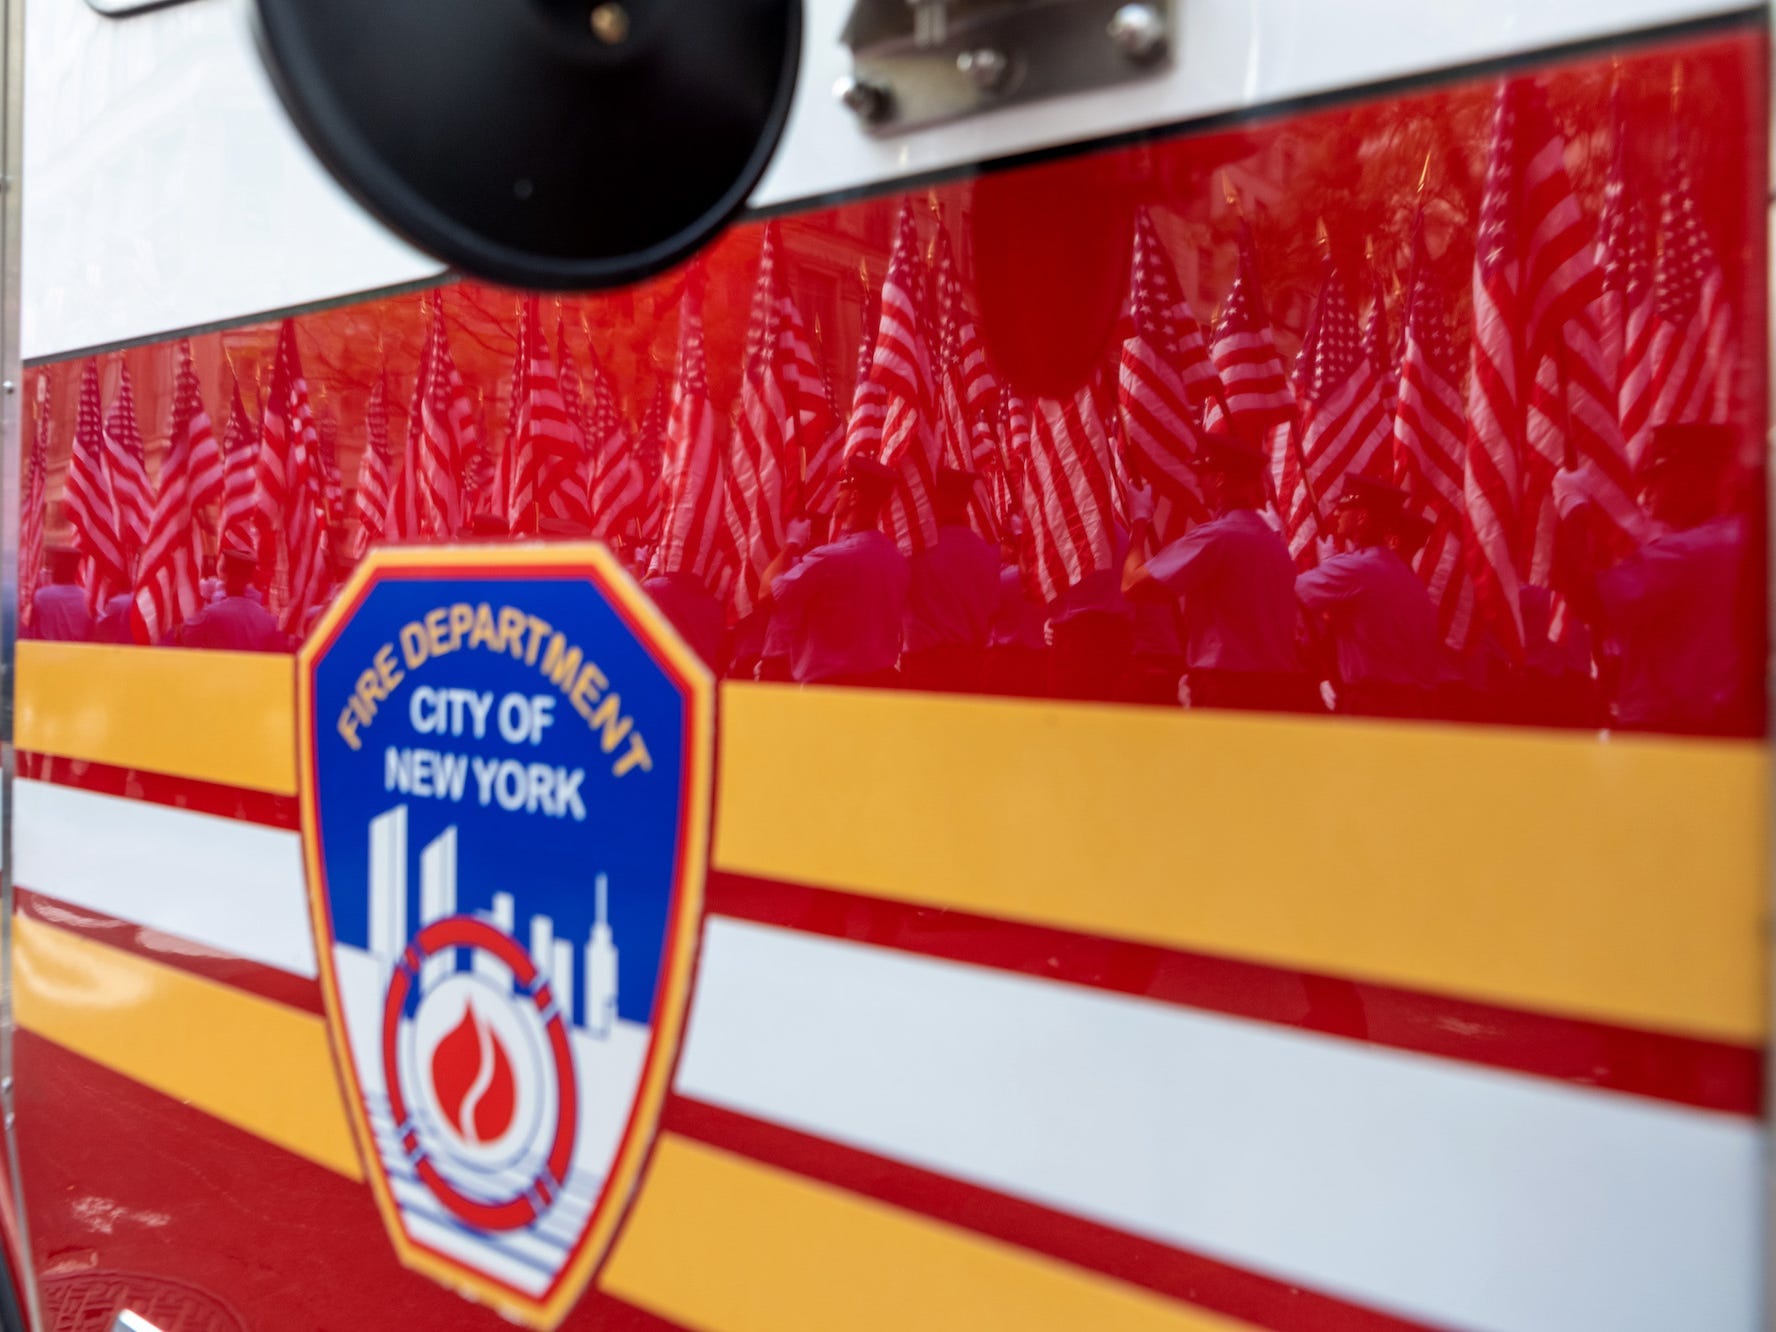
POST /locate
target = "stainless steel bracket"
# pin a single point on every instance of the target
(918, 62)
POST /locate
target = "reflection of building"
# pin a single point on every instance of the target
(554, 958)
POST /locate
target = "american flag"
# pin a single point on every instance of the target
(690, 530)
(1498, 389)
(1430, 426)
(447, 435)
(764, 464)
(1625, 311)
(901, 367)
(167, 588)
(404, 516)
(618, 490)
(1070, 491)
(206, 473)
(92, 509)
(271, 497)
(1692, 357)
(33, 513)
(550, 458)
(1257, 401)
(869, 399)
(820, 470)
(126, 460)
(514, 479)
(1344, 431)
(569, 488)
(1158, 417)
(375, 470)
(967, 388)
(290, 430)
(1380, 349)
(1190, 349)
(239, 521)
(650, 454)
(327, 431)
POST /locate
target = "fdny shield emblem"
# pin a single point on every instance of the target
(506, 788)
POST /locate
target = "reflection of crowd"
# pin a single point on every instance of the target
(233, 618)
(1664, 637)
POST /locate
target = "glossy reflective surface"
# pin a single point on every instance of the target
(1357, 411)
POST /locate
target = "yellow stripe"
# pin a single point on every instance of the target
(214, 716)
(1620, 880)
(716, 1241)
(260, 1065)
(1617, 880)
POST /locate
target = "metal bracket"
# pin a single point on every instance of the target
(918, 62)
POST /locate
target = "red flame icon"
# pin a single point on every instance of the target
(472, 1076)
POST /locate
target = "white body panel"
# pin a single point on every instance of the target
(164, 189)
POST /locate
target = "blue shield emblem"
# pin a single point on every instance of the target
(507, 760)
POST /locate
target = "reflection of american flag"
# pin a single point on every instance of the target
(287, 412)
(447, 434)
(763, 465)
(967, 388)
(1343, 429)
(650, 449)
(239, 507)
(572, 495)
(1379, 349)
(1154, 395)
(1497, 390)
(1624, 314)
(127, 463)
(550, 443)
(692, 477)
(32, 515)
(514, 481)
(1692, 326)
(869, 400)
(1571, 422)
(375, 471)
(206, 471)
(901, 366)
(1429, 427)
(92, 512)
(617, 486)
(1070, 491)
(1259, 405)
(820, 470)
(166, 588)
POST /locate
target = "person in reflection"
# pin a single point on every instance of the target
(1236, 582)
(238, 622)
(114, 620)
(1682, 613)
(693, 610)
(842, 603)
(1373, 610)
(1017, 653)
(58, 609)
(952, 594)
(1091, 631)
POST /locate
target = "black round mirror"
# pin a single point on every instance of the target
(553, 144)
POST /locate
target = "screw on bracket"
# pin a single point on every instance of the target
(986, 68)
(1139, 32)
(869, 102)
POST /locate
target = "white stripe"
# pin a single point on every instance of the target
(1436, 1189)
(233, 886)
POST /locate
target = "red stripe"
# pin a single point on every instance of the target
(158, 788)
(1175, 1273)
(235, 1217)
(170, 950)
(1711, 1075)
